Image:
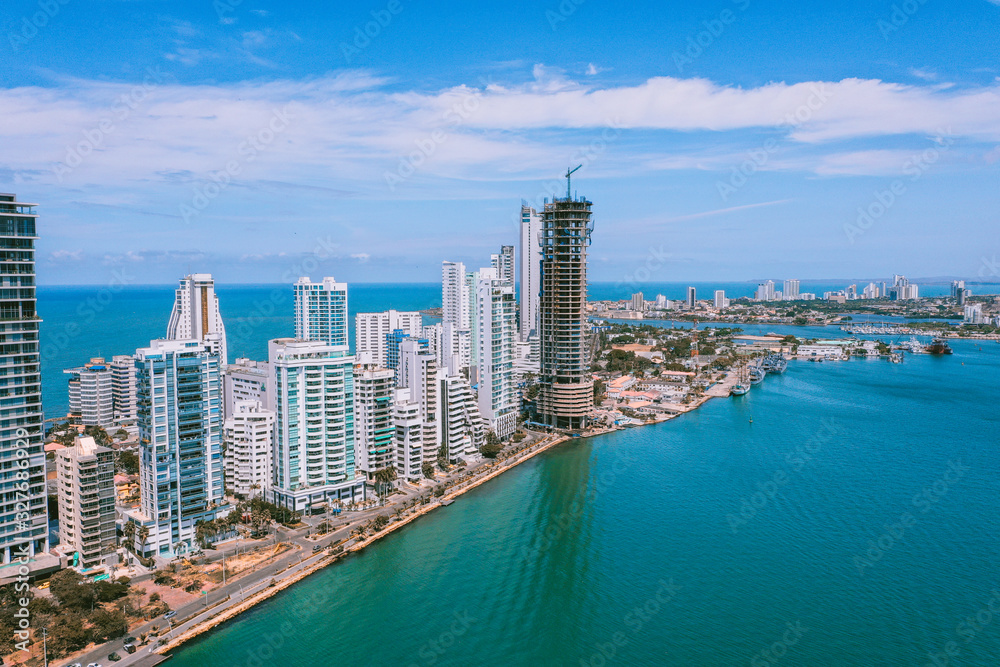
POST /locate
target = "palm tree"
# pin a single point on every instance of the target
(128, 532)
(383, 477)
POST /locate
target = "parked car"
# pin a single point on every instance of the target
(129, 648)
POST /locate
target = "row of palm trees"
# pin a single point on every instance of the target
(130, 531)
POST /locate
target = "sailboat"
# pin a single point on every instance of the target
(742, 385)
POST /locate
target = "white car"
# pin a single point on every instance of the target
(95, 664)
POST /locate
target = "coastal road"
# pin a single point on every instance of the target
(236, 590)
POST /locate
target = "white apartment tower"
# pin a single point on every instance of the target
(123, 387)
(311, 391)
(638, 302)
(458, 299)
(91, 393)
(720, 299)
(790, 290)
(321, 311)
(531, 269)
(418, 372)
(496, 326)
(504, 263)
(85, 476)
(243, 380)
(371, 332)
(374, 430)
(196, 316)
(462, 428)
(408, 436)
(248, 434)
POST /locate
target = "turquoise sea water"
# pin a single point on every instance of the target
(854, 522)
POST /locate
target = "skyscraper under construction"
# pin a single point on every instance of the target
(566, 398)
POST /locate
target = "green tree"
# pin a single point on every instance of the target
(73, 590)
(109, 591)
(492, 447)
(99, 435)
(66, 633)
(599, 389)
(128, 463)
(108, 624)
(428, 469)
(384, 477)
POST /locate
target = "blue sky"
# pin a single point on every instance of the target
(259, 140)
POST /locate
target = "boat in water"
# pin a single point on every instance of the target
(774, 363)
(742, 385)
(757, 375)
(939, 346)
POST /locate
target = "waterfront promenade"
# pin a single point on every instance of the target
(238, 595)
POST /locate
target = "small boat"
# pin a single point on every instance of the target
(739, 390)
(939, 346)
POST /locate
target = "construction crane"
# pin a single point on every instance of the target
(570, 172)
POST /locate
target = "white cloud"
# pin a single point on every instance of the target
(66, 255)
(345, 131)
(361, 256)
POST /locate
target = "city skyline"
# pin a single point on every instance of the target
(232, 112)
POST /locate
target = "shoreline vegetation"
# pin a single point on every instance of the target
(332, 554)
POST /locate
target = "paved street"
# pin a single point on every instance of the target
(286, 565)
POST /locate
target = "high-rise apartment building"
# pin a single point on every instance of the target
(91, 393)
(196, 315)
(374, 430)
(123, 387)
(692, 298)
(565, 397)
(497, 328)
(248, 436)
(371, 332)
(23, 517)
(181, 474)
(504, 263)
(418, 372)
(462, 428)
(85, 479)
(458, 298)
(720, 300)
(243, 380)
(530, 269)
(408, 437)
(311, 391)
(790, 290)
(638, 302)
(321, 311)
